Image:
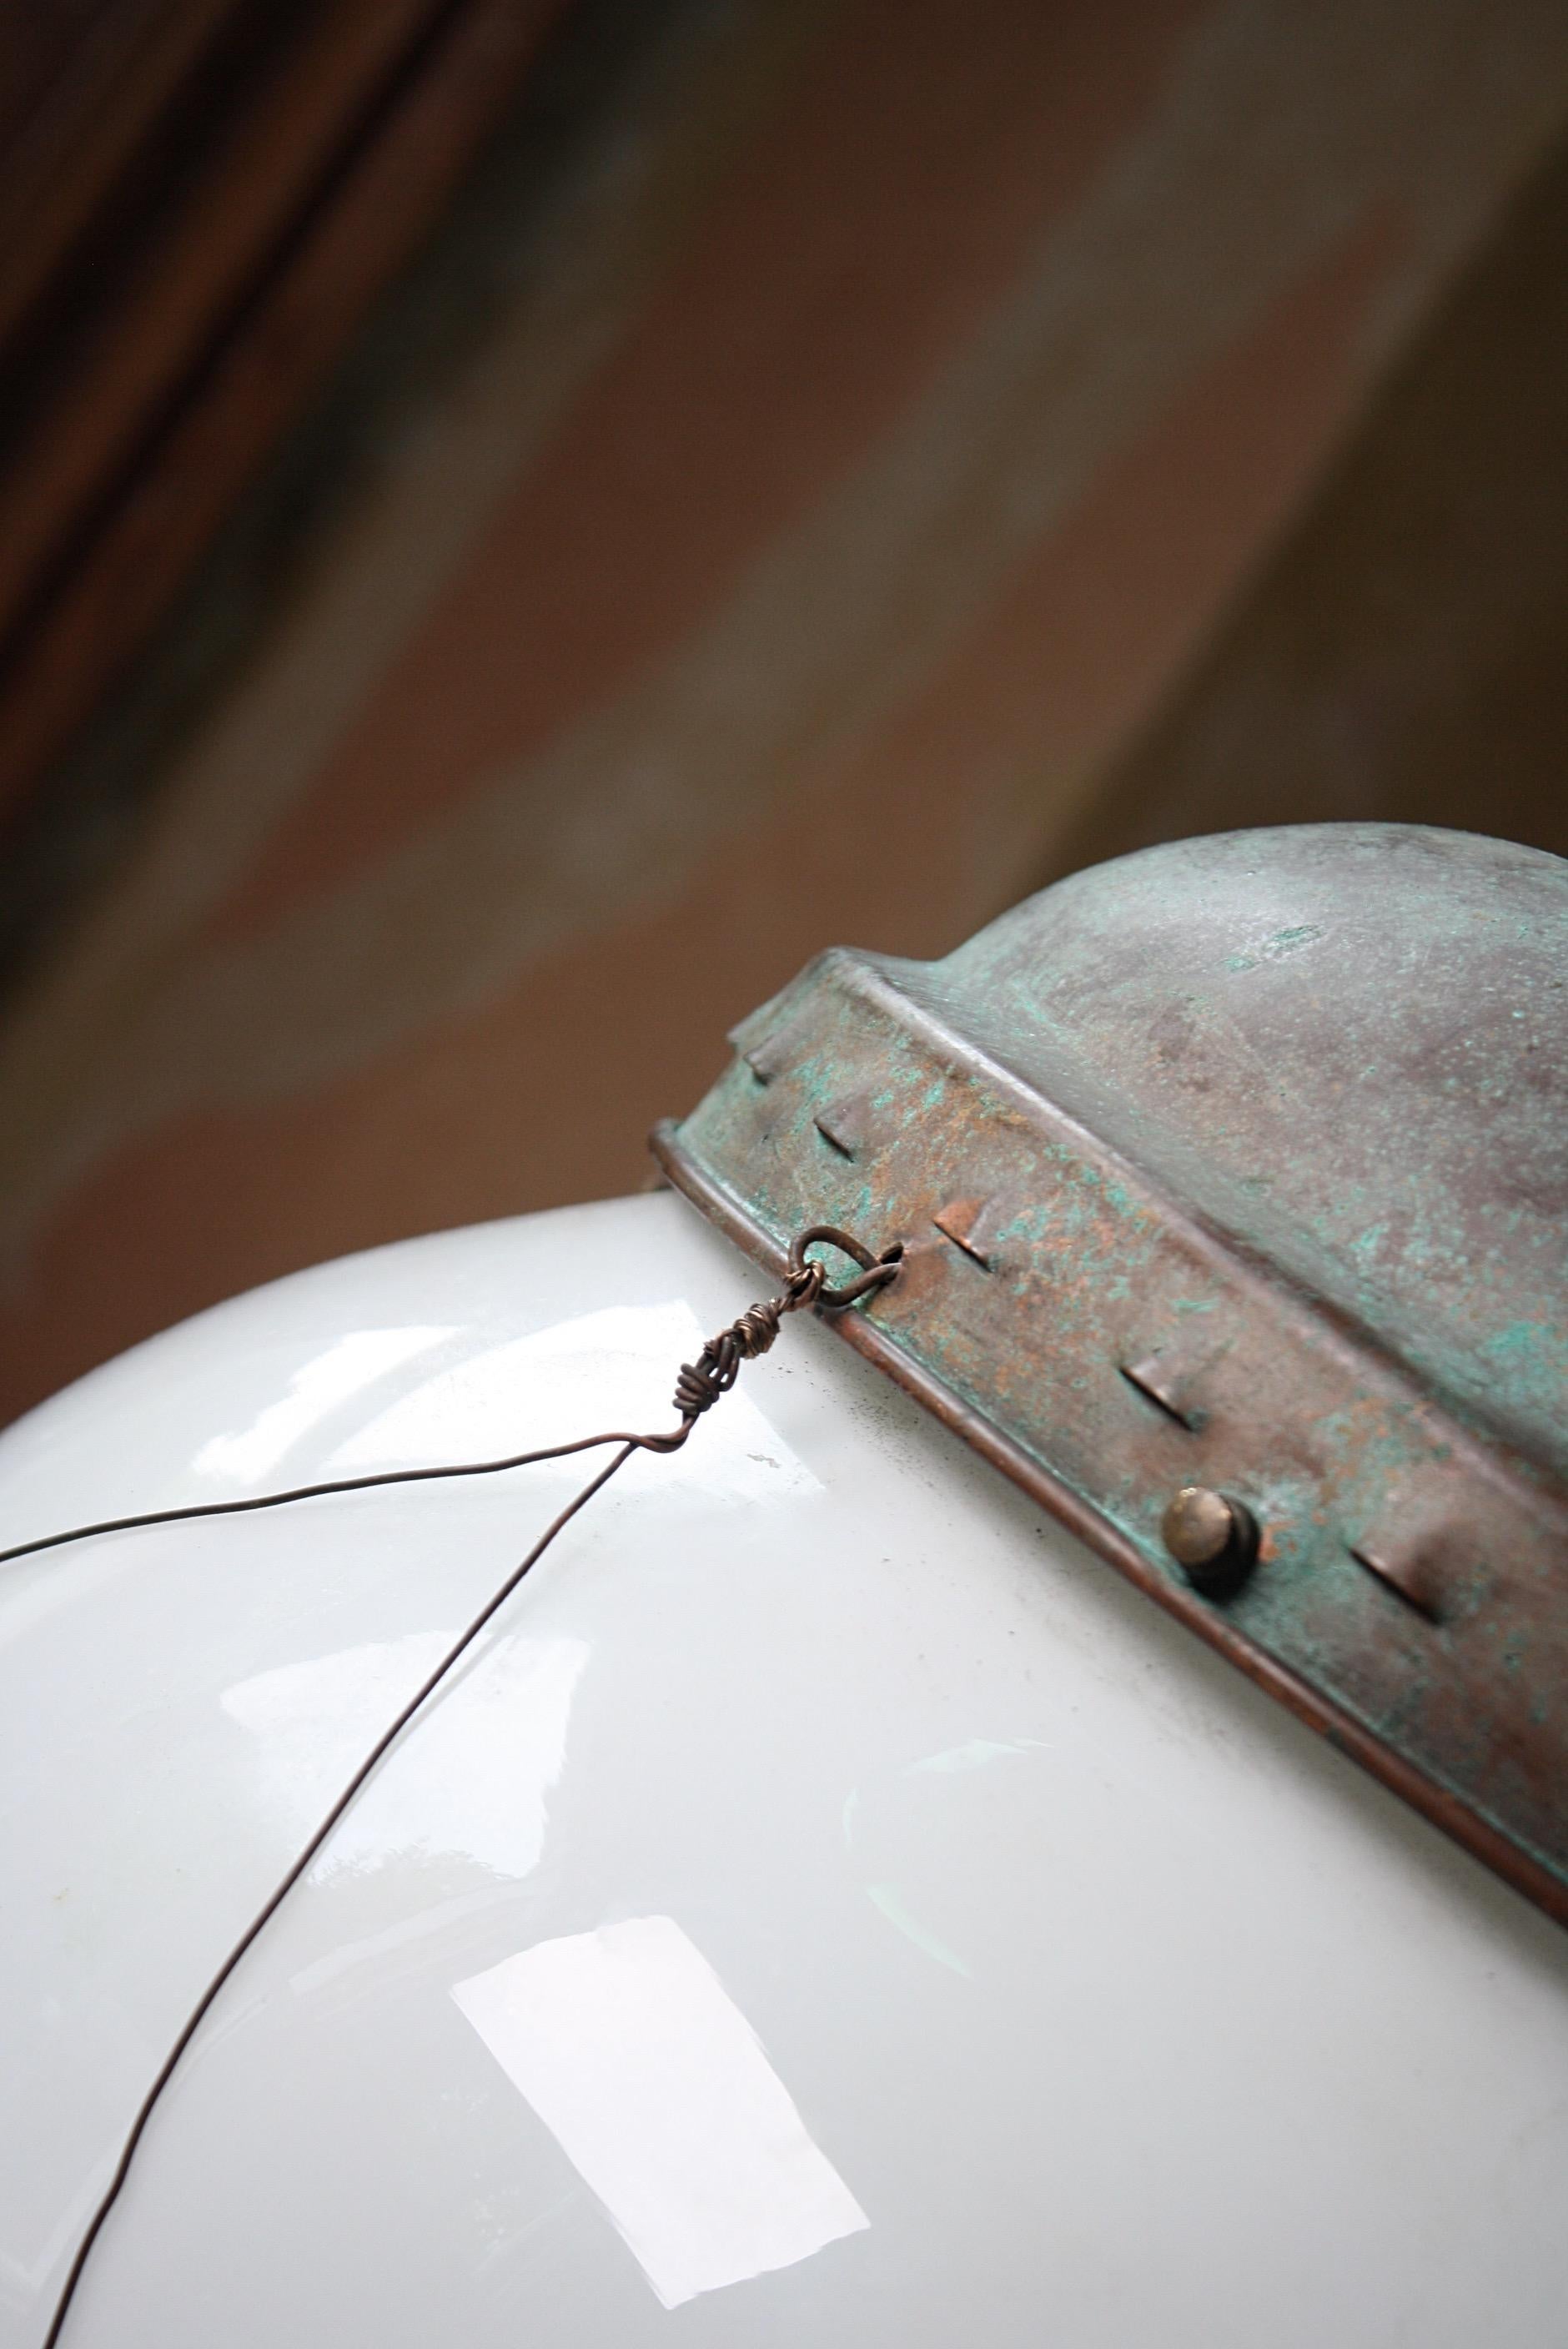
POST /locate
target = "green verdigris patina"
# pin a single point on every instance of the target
(1241, 1163)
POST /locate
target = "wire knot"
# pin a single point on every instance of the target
(717, 1367)
(699, 1386)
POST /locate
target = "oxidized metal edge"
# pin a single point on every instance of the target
(1104, 1345)
(1445, 1807)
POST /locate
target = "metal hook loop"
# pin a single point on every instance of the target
(875, 1271)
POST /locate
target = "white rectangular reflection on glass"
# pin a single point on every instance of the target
(632, 2053)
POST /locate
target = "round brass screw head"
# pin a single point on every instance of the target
(1213, 1537)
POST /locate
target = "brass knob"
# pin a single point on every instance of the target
(1212, 1537)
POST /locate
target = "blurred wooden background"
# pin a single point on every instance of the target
(521, 520)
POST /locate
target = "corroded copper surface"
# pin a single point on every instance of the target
(1241, 1163)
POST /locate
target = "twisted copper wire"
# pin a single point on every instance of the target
(717, 1367)
(698, 1388)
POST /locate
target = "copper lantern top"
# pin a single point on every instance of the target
(1232, 1185)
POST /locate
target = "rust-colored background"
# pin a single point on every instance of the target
(532, 521)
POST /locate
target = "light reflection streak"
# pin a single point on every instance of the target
(474, 1782)
(319, 1387)
(632, 2053)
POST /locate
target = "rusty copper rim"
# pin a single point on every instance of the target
(1436, 1802)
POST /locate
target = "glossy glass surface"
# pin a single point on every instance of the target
(830, 1908)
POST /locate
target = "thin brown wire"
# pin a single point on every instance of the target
(698, 1387)
(296, 1868)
